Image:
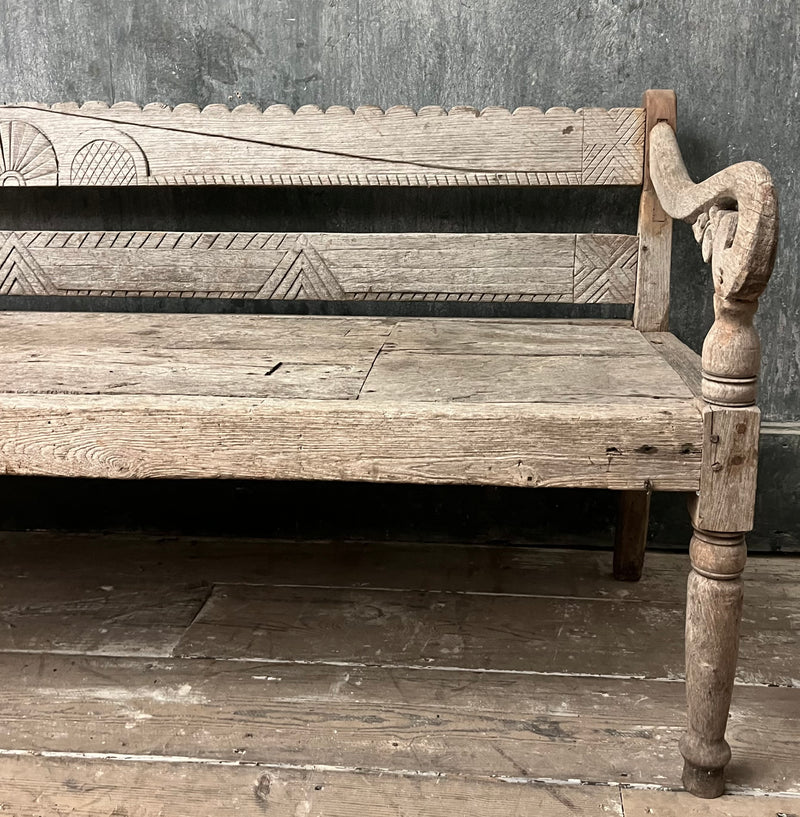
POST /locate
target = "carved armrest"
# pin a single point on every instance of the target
(735, 218)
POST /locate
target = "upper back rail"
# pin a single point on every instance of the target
(94, 144)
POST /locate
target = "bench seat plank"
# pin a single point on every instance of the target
(93, 394)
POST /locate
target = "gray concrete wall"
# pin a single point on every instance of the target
(734, 65)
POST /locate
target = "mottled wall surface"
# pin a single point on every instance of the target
(734, 65)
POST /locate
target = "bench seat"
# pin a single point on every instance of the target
(504, 402)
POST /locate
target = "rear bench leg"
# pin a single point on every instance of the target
(713, 616)
(633, 515)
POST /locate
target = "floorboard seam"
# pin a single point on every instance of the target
(363, 665)
(196, 615)
(371, 588)
(735, 791)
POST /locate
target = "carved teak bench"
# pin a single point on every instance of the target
(585, 403)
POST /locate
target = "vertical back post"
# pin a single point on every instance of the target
(651, 305)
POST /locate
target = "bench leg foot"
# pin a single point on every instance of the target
(713, 614)
(631, 535)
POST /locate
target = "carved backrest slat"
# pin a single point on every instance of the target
(95, 144)
(563, 267)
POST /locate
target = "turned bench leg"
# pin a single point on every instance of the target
(630, 541)
(713, 614)
(720, 512)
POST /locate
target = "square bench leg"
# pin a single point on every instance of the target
(633, 515)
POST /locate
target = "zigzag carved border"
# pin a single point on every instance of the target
(322, 266)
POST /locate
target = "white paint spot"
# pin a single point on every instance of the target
(121, 695)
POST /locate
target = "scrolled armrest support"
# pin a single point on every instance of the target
(735, 218)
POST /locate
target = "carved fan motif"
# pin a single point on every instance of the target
(26, 156)
(103, 162)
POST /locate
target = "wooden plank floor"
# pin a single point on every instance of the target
(174, 676)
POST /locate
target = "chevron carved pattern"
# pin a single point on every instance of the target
(288, 268)
(20, 274)
(302, 274)
(490, 267)
(613, 145)
(605, 269)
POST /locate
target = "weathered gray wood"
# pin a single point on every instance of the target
(181, 374)
(443, 722)
(534, 631)
(49, 786)
(141, 436)
(111, 615)
(132, 594)
(722, 511)
(517, 426)
(325, 339)
(728, 480)
(651, 308)
(320, 358)
(322, 266)
(735, 218)
(516, 337)
(596, 730)
(713, 615)
(480, 378)
(682, 359)
(680, 804)
(740, 243)
(125, 144)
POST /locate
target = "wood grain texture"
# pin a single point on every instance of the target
(713, 619)
(651, 308)
(139, 436)
(533, 631)
(377, 718)
(416, 360)
(682, 804)
(310, 398)
(506, 267)
(682, 359)
(51, 786)
(96, 144)
(135, 594)
(735, 218)
(728, 481)
(480, 378)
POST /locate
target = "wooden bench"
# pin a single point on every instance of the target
(618, 404)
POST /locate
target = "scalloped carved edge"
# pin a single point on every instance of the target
(249, 109)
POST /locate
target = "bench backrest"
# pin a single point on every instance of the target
(124, 144)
